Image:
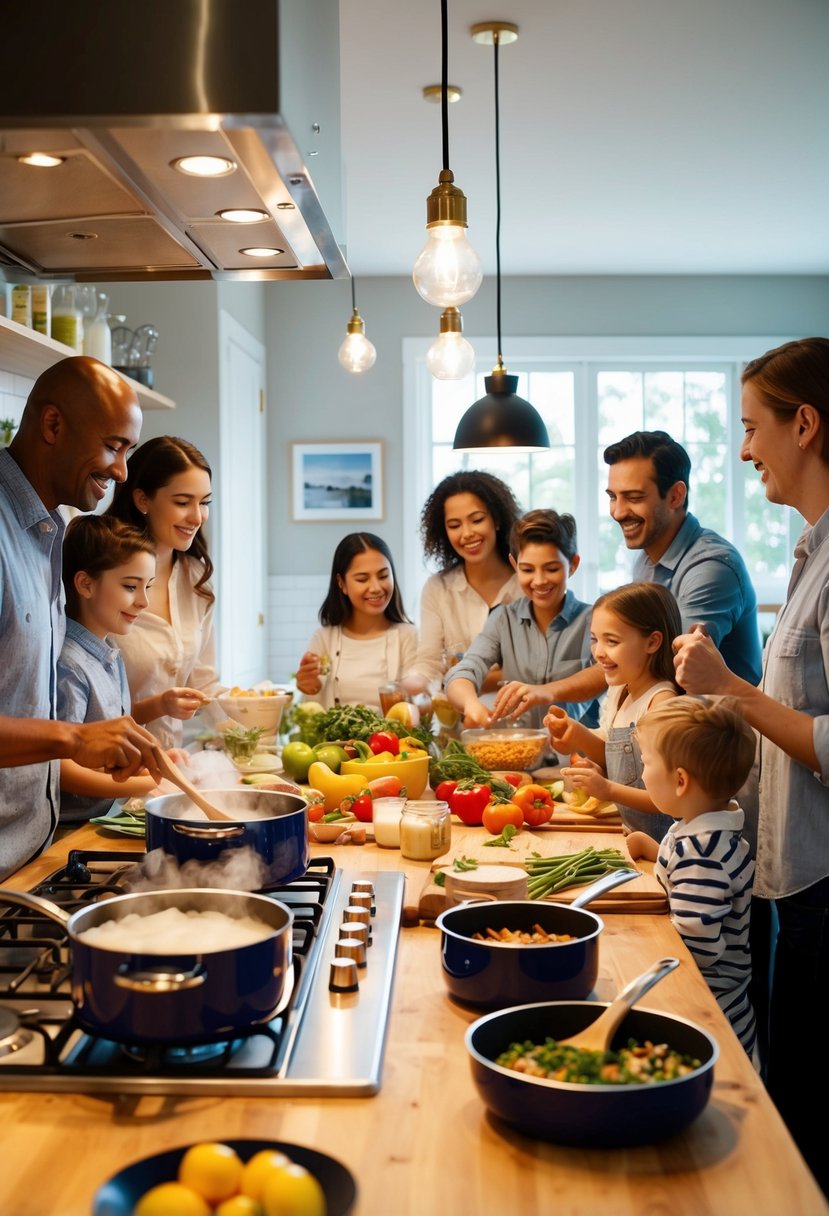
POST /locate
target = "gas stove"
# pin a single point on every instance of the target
(328, 1039)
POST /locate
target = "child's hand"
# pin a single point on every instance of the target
(561, 728)
(309, 674)
(587, 776)
(641, 846)
(513, 700)
(476, 715)
(182, 702)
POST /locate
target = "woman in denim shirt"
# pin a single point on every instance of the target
(786, 420)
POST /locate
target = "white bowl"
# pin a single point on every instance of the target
(255, 710)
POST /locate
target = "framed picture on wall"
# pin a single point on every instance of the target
(337, 481)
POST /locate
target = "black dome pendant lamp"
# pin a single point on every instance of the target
(500, 419)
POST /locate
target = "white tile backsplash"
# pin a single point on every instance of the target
(293, 604)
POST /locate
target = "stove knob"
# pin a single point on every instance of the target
(343, 975)
(362, 899)
(350, 947)
(353, 928)
(353, 912)
(362, 886)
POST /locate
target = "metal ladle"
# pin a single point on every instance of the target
(598, 1036)
(173, 773)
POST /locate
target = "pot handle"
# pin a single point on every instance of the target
(151, 982)
(25, 899)
(606, 883)
(184, 829)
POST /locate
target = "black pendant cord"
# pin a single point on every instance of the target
(497, 204)
(353, 296)
(444, 75)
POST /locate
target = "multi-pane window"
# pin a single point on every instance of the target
(591, 392)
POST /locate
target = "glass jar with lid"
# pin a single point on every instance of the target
(425, 830)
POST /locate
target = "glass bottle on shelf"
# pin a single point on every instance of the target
(97, 337)
(67, 321)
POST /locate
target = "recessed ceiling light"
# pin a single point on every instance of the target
(242, 215)
(261, 252)
(41, 160)
(433, 92)
(204, 166)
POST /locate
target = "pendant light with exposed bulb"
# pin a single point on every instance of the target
(450, 357)
(500, 419)
(356, 354)
(448, 271)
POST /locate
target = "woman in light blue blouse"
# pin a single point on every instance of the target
(786, 420)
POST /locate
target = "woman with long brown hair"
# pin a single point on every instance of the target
(167, 495)
(785, 410)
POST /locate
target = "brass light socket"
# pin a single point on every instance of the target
(447, 203)
(356, 325)
(451, 321)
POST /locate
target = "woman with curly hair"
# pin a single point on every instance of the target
(465, 527)
(167, 496)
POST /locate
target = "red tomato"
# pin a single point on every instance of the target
(498, 814)
(445, 790)
(316, 810)
(384, 741)
(468, 804)
(536, 803)
(362, 806)
(514, 779)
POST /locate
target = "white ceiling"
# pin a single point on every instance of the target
(637, 136)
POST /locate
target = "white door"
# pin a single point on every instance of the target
(240, 493)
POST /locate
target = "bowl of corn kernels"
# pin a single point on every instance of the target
(506, 748)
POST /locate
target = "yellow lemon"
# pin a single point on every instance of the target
(214, 1171)
(292, 1191)
(404, 712)
(239, 1205)
(260, 1167)
(171, 1199)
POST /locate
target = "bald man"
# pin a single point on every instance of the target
(79, 423)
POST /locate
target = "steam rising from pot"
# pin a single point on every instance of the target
(240, 869)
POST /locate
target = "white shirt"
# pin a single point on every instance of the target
(452, 614)
(159, 655)
(614, 712)
(360, 665)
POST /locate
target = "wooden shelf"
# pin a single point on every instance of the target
(28, 353)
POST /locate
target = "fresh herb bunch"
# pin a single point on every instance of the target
(352, 722)
(457, 764)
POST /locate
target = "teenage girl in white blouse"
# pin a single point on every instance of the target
(366, 639)
(167, 493)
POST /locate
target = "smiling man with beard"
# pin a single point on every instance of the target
(80, 421)
(648, 490)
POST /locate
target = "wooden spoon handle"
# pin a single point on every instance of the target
(173, 773)
(598, 1036)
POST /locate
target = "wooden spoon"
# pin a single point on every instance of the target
(598, 1035)
(173, 773)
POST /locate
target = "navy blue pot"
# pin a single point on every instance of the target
(182, 998)
(591, 1116)
(280, 840)
(492, 975)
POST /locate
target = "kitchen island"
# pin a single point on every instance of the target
(425, 1141)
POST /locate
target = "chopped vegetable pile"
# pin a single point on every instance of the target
(636, 1064)
(347, 722)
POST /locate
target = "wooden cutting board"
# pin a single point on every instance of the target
(565, 817)
(643, 894)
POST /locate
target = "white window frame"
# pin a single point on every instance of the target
(579, 353)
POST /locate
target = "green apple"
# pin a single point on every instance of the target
(331, 754)
(297, 758)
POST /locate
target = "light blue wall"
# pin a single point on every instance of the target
(312, 398)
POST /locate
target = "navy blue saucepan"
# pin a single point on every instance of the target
(491, 975)
(204, 994)
(279, 834)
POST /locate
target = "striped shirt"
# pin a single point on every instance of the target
(706, 869)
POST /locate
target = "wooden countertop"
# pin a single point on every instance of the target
(425, 1142)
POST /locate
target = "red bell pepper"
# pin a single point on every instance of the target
(469, 801)
(384, 741)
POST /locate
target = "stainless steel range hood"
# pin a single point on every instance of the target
(119, 90)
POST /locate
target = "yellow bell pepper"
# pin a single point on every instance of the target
(333, 786)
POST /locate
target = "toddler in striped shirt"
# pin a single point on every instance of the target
(696, 753)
